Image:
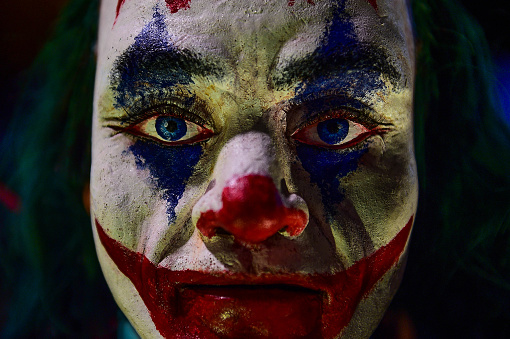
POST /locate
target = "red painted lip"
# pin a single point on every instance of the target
(170, 295)
(247, 311)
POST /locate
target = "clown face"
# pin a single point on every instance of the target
(253, 173)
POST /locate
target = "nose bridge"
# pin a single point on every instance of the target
(245, 200)
(248, 153)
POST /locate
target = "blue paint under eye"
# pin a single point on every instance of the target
(326, 168)
(170, 168)
(170, 128)
(333, 131)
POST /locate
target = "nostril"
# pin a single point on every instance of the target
(283, 230)
(211, 185)
(284, 188)
(221, 231)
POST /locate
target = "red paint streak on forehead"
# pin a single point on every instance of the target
(176, 5)
(292, 2)
(173, 5)
(161, 289)
(117, 10)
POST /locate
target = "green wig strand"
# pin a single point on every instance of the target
(460, 250)
(51, 275)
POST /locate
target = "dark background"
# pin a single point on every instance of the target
(24, 27)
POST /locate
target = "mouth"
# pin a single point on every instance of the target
(193, 304)
(250, 311)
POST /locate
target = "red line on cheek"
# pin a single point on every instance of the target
(117, 10)
(349, 287)
(373, 3)
(158, 286)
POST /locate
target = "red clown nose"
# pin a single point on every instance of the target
(252, 211)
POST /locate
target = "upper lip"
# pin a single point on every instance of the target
(290, 281)
(232, 290)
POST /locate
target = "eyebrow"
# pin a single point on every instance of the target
(361, 57)
(156, 65)
(338, 53)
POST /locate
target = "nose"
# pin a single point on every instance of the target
(252, 210)
(243, 200)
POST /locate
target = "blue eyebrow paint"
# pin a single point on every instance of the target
(330, 93)
(152, 64)
(147, 63)
(341, 64)
(340, 53)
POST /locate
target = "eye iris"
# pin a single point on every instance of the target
(170, 128)
(333, 131)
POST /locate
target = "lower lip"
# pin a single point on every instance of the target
(253, 311)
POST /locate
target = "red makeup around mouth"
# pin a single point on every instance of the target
(253, 311)
(192, 304)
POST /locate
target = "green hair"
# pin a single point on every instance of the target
(459, 260)
(458, 275)
(52, 283)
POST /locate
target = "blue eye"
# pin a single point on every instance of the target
(170, 128)
(333, 131)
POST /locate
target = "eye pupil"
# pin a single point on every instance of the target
(332, 127)
(170, 128)
(333, 131)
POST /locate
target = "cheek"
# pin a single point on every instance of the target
(384, 190)
(367, 194)
(135, 187)
(326, 167)
(169, 167)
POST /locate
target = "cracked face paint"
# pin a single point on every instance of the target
(253, 172)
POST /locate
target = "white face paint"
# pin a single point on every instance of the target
(253, 172)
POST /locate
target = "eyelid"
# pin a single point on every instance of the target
(165, 109)
(182, 101)
(335, 114)
(327, 105)
(321, 109)
(135, 124)
(202, 133)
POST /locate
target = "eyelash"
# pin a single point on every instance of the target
(346, 117)
(327, 135)
(145, 124)
(343, 119)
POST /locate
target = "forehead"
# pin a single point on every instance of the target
(278, 32)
